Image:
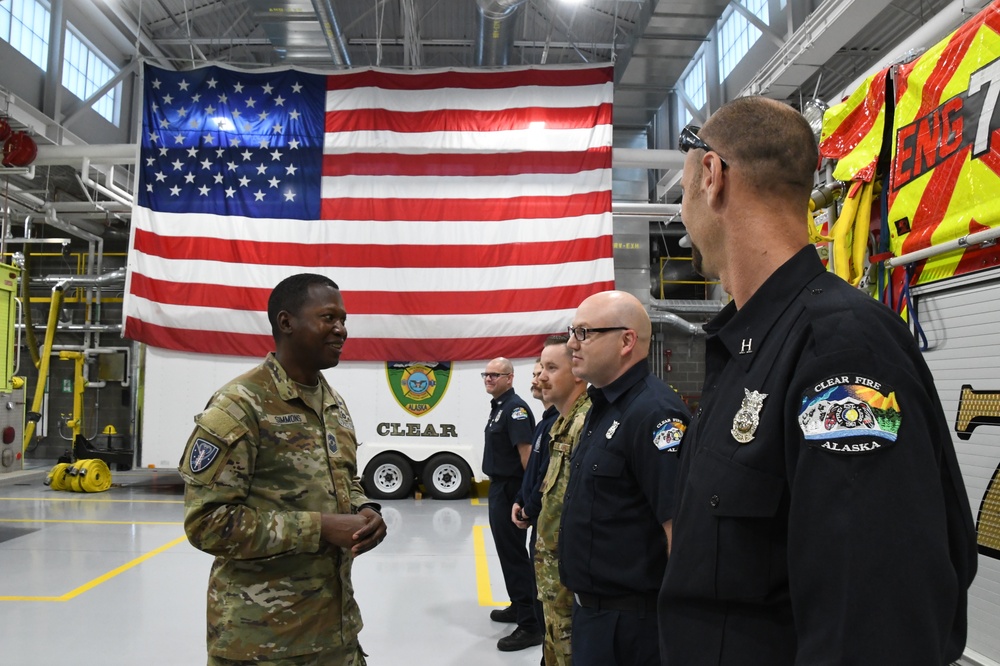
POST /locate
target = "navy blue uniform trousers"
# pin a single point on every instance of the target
(518, 571)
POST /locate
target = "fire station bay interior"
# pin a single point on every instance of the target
(99, 395)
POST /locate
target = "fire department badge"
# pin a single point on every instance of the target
(748, 417)
(417, 386)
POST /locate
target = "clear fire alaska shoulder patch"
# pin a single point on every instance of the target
(850, 415)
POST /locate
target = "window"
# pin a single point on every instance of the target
(737, 35)
(24, 24)
(694, 86)
(85, 72)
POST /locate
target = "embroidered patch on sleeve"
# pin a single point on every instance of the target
(850, 414)
(203, 454)
(519, 414)
(668, 434)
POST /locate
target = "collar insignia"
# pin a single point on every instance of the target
(748, 417)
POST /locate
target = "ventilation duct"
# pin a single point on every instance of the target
(495, 31)
(290, 26)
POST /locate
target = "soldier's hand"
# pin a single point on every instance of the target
(340, 528)
(516, 516)
(371, 534)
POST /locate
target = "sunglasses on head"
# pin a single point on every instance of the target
(689, 139)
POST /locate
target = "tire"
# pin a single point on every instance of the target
(388, 476)
(447, 477)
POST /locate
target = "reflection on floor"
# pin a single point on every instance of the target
(109, 579)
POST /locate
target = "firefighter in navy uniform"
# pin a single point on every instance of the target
(505, 455)
(619, 501)
(821, 514)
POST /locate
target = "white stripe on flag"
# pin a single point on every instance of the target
(353, 232)
(501, 141)
(447, 188)
(472, 99)
(401, 327)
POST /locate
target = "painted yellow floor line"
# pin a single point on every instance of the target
(77, 498)
(483, 569)
(88, 522)
(480, 489)
(101, 579)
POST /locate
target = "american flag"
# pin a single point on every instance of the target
(464, 213)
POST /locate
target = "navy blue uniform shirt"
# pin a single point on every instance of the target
(621, 488)
(822, 517)
(530, 497)
(511, 423)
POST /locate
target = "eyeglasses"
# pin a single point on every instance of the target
(494, 375)
(581, 332)
(689, 139)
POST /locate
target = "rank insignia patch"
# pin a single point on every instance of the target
(331, 442)
(203, 454)
(748, 417)
(519, 414)
(668, 434)
(849, 414)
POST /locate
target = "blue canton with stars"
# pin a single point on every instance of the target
(226, 142)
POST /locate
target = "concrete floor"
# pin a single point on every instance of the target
(110, 579)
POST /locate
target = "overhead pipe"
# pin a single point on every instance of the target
(672, 320)
(332, 33)
(495, 32)
(687, 306)
(111, 277)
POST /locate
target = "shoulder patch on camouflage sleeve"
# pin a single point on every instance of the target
(203, 454)
(850, 415)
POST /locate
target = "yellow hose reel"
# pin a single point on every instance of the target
(84, 476)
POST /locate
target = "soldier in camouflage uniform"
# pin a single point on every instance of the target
(272, 492)
(569, 395)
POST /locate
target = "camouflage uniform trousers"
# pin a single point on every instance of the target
(348, 655)
(558, 630)
(557, 601)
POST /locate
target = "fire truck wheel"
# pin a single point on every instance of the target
(388, 476)
(446, 476)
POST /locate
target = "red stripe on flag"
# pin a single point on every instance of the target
(358, 303)
(199, 294)
(484, 80)
(465, 164)
(463, 120)
(461, 210)
(371, 349)
(192, 340)
(272, 253)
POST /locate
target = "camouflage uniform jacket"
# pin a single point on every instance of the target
(565, 435)
(259, 469)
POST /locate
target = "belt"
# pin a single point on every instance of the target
(636, 603)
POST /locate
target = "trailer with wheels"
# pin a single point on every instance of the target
(422, 423)
(416, 422)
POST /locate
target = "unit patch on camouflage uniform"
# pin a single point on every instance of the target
(519, 414)
(203, 454)
(331, 442)
(668, 434)
(345, 416)
(851, 415)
